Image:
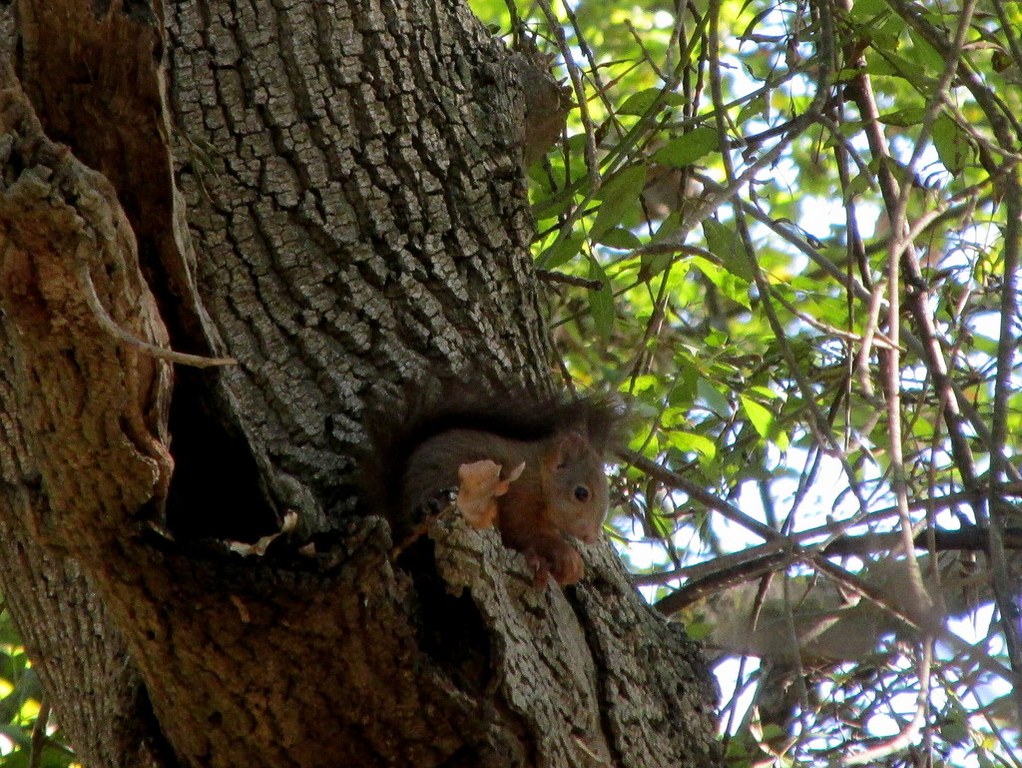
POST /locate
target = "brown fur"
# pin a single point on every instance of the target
(562, 490)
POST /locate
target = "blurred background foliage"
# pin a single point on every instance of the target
(743, 195)
(26, 739)
(739, 198)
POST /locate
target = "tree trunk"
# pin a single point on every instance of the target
(330, 194)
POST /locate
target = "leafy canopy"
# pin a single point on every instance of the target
(796, 228)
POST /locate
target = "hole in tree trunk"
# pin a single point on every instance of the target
(216, 490)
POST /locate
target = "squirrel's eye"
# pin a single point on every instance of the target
(581, 493)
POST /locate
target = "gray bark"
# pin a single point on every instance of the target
(330, 194)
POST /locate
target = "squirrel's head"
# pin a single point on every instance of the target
(576, 487)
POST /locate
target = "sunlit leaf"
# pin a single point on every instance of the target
(760, 417)
(688, 148)
(903, 117)
(689, 442)
(727, 246)
(868, 10)
(640, 103)
(729, 284)
(560, 252)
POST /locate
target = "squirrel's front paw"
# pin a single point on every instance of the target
(567, 567)
(560, 561)
(539, 566)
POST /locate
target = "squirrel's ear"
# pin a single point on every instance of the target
(571, 448)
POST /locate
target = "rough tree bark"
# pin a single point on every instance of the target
(329, 193)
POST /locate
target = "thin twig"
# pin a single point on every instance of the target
(108, 325)
(549, 276)
(1007, 129)
(592, 162)
(908, 734)
(39, 735)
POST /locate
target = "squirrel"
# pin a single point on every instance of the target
(549, 454)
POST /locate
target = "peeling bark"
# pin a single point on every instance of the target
(51, 349)
(92, 410)
(351, 216)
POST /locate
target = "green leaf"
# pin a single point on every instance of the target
(601, 302)
(716, 338)
(621, 238)
(675, 417)
(727, 246)
(668, 229)
(645, 382)
(715, 401)
(867, 10)
(561, 252)
(689, 442)
(903, 117)
(28, 687)
(765, 392)
(685, 150)
(955, 728)
(639, 103)
(895, 65)
(730, 285)
(761, 418)
(552, 206)
(619, 195)
(8, 635)
(655, 263)
(951, 143)
(926, 56)
(16, 734)
(698, 630)
(753, 108)
(857, 186)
